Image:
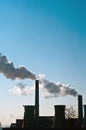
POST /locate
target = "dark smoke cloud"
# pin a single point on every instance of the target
(56, 89)
(9, 71)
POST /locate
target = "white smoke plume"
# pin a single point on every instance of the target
(52, 89)
(49, 88)
(55, 89)
(22, 89)
(9, 71)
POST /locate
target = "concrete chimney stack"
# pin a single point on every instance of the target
(37, 98)
(37, 103)
(80, 109)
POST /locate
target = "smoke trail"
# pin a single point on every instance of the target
(22, 89)
(49, 88)
(9, 71)
(52, 89)
(56, 89)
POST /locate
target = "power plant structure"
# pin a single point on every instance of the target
(33, 120)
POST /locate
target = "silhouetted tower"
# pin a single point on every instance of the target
(29, 121)
(59, 121)
(37, 102)
(80, 108)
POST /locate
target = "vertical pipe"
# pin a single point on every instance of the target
(37, 98)
(80, 109)
(37, 103)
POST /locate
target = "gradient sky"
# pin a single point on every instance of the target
(47, 37)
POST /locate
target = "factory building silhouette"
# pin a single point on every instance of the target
(33, 120)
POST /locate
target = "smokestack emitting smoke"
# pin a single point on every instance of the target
(52, 89)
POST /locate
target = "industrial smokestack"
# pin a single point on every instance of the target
(36, 98)
(37, 103)
(80, 109)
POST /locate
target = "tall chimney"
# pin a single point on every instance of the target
(80, 109)
(37, 103)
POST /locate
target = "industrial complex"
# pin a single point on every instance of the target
(32, 119)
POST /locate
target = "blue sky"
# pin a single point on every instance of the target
(47, 37)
